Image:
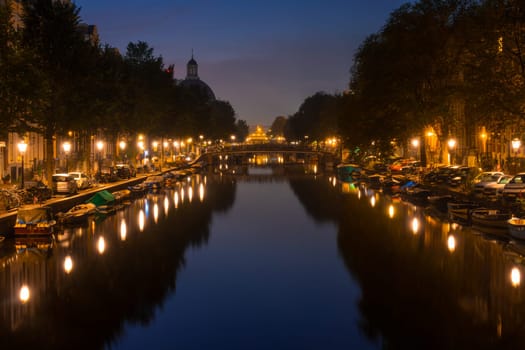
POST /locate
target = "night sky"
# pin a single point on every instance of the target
(263, 56)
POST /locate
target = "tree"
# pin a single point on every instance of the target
(222, 120)
(50, 32)
(408, 75)
(316, 118)
(242, 130)
(278, 126)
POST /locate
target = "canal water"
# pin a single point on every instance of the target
(264, 261)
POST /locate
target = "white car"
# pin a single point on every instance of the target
(83, 181)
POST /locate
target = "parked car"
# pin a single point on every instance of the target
(514, 189)
(494, 189)
(463, 175)
(125, 171)
(107, 174)
(83, 181)
(483, 179)
(64, 184)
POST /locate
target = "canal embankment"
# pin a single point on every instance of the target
(64, 203)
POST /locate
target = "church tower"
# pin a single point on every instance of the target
(192, 68)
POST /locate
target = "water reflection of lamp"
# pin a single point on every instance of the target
(451, 243)
(515, 277)
(24, 294)
(415, 225)
(391, 211)
(123, 230)
(142, 220)
(201, 192)
(68, 264)
(22, 148)
(101, 245)
(156, 212)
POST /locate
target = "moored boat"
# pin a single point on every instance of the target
(516, 227)
(348, 171)
(461, 211)
(77, 215)
(121, 195)
(34, 220)
(490, 217)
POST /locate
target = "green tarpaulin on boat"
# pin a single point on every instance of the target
(101, 198)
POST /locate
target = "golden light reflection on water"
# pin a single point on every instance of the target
(182, 195)
(156, 212)
(415, 225)
(190, 194)
(166, 205)
(68, 264)
(101, 245)
(373, 201)
(142, 220)
(176, 199)
(24, 294)
(515, 277)
(391, 211)
(123, 229)
(451, 243)
(201, 192)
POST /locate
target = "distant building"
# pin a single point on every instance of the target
(90, 33)
(193, 81)
(258, 136)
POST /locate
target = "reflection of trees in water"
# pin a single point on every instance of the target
(415, 292)
(90, 307)
(318, 197)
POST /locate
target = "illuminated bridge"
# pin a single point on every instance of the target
(267, 154)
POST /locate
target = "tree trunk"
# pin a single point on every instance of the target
(49, 157)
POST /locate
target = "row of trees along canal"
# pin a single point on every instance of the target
(54, 81)
(451, 65)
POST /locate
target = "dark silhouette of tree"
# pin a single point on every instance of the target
(315, 118)
(61, 57)
(278, 126)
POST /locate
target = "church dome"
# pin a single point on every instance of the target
(200, 85)
(193, 81)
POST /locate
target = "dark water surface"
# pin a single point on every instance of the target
(265, 262)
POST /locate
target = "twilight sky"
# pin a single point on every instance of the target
(263, 56)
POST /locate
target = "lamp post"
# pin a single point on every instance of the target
(122, 145)
(100, 146)
(67, 149)
(415, 144)
(483, 137)
(451, 145)
(516, 144)
(22, 148)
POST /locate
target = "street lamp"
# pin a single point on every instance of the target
(22, 148)
(67, 149)
(484, 154)
(122, 145)
(451, 145)
(516, 144)
(100, 146)
(415, 144)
